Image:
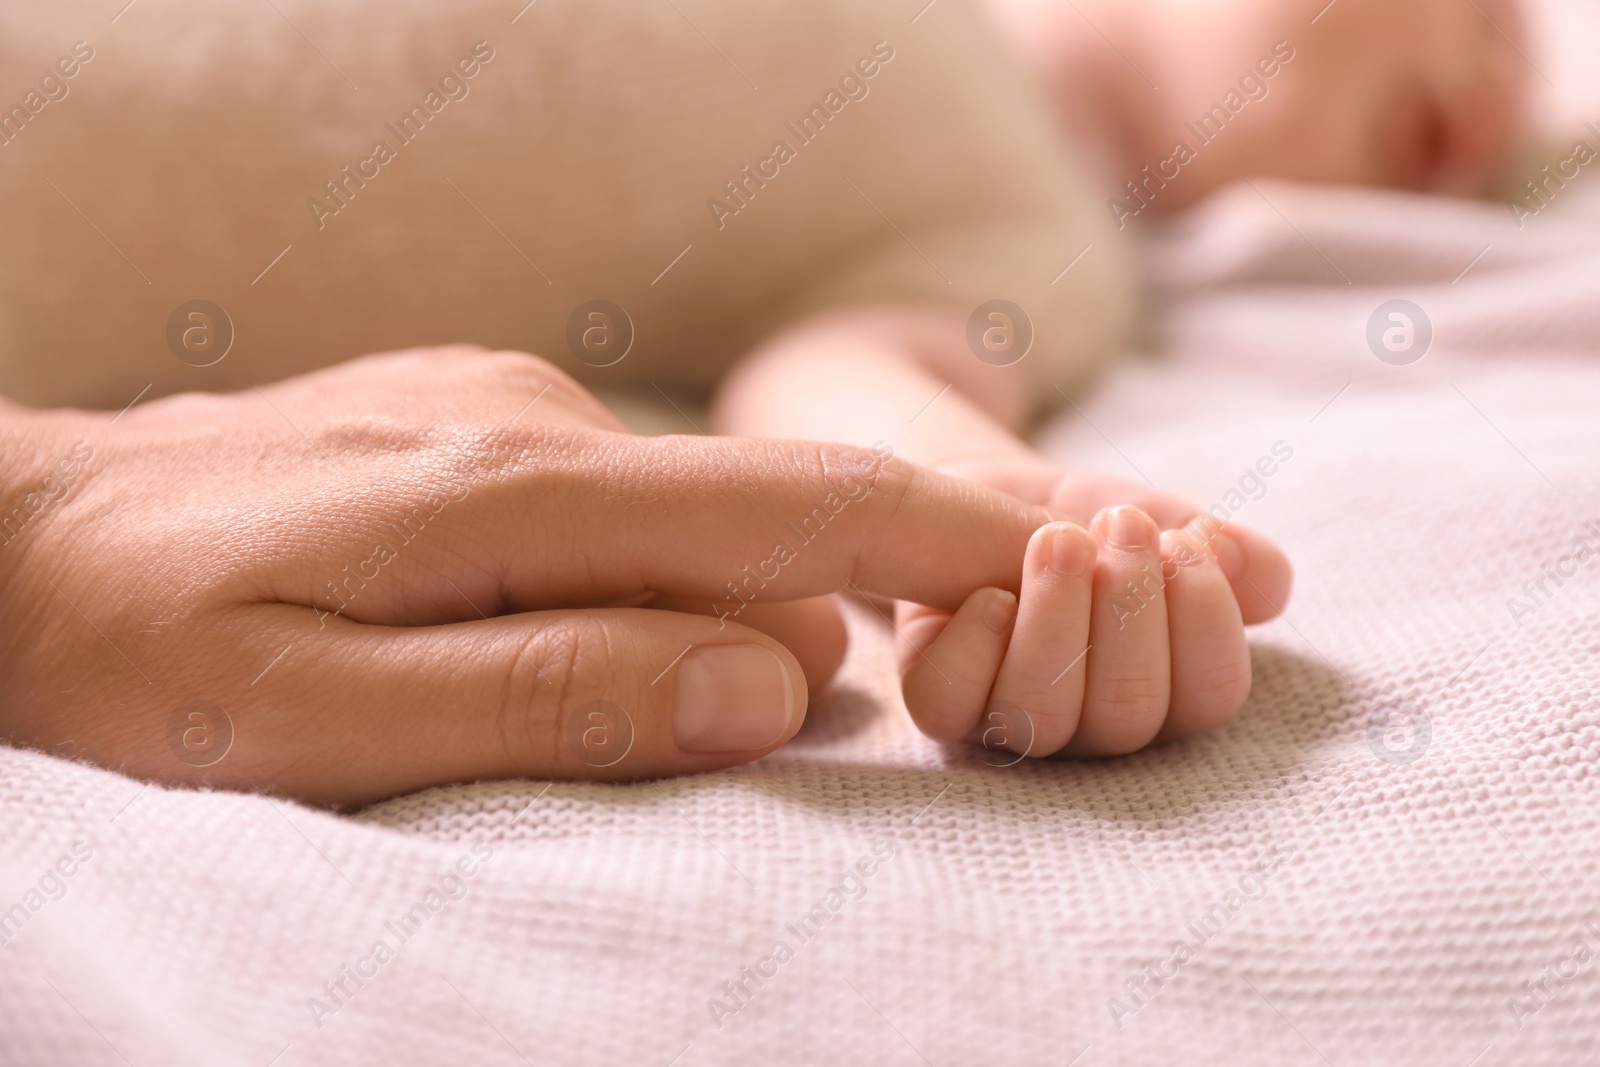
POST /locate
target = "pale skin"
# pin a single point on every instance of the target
(546, 585)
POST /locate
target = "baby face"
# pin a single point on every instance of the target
(1424, 95)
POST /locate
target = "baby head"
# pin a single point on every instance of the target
(1424, 95)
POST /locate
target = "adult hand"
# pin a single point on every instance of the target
(430, 567)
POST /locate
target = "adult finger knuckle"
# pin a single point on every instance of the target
(524, 374)
(873, 476)
(892, 478)
(835, 461)
(864, 486)
(523, 371)
(552, 673)
(551, 454)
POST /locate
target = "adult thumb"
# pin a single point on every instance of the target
(601, 694)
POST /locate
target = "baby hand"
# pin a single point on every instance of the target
(1128, 631)
(1124, 634)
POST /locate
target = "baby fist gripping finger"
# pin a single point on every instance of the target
(1210, 658)
(1129, 683)
(1119, 638)
(953, 660)
(1043, 671)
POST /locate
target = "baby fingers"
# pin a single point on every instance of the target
(955, 658)
(1043, 671)
(1122, 635)
(1129, 682)
(1210, 658)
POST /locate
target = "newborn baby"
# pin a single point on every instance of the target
(899, 225)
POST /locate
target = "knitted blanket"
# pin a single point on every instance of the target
(1389, 858)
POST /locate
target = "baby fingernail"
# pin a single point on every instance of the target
(1128, 527)
(1230, 557)
(1070, 553)
(1001, 610)
(1175, 544)
(731, 698)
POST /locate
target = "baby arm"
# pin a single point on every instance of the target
(1129, 624)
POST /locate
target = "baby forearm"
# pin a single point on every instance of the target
(863, 381)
